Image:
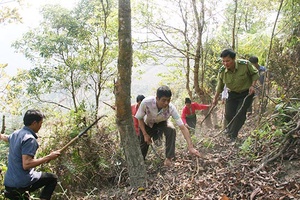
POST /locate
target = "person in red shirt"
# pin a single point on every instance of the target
(188, 114)
(134, 109)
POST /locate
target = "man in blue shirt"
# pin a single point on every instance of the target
(259, 85)
(21, 176)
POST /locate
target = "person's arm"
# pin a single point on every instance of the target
(201, 106)
(147, 138)
(220, 87)
(254, 77)
(184, 131)
(29, 162)
(183, 116)
(4, 137)
(215, 100)
(252, 87)
(135, 120)
(187, 137)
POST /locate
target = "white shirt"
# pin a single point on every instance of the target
(225, 93)
(149, 112)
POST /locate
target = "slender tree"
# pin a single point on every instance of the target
(233, 45)
(129, 141)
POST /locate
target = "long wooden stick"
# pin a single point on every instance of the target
(3, 125)
(209, 112)
(80, 134)
(112, 107)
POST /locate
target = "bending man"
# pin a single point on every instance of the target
(153, 115)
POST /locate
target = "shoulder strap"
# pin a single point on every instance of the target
(245, 62)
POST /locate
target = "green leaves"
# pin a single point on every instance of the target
(72, 51)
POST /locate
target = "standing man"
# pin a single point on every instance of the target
(240, 78)
(188, 114)
(21, 175)
(259, 85)
(134, 109)
(153, 115)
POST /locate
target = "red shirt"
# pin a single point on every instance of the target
(189, 111)
(134, 109)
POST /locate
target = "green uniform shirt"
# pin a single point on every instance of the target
(238, 80)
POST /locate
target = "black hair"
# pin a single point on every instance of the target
(163, 91)
(253, 59)
(228, 52)
(31, 116)
(140, 98)
(187, 100)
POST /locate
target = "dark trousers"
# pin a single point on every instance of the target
(233, 104)
(191, 121)
(155, 133)
(47, 180)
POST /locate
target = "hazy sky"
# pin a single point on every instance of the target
(12, 32)
(31, 18)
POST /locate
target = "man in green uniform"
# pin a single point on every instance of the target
(240, 78)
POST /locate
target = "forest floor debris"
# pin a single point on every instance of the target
(224, 174)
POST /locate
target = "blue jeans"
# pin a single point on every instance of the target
(48, 181)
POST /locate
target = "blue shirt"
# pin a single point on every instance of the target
(21, 142)
(261, 72)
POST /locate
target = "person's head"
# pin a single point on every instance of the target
(253, 59)
(228, 58)
(187, 102)
(33, 119)
(163, 96)
(140, 98)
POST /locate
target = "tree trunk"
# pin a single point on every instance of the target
(199, 59)
(184, 17)
(129, 140)
(198, 90)
(234, 25)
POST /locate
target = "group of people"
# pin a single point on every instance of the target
(151, 120)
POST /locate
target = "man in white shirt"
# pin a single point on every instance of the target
(153, 115)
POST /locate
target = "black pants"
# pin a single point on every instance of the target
(191, 121)
(233, 104)
(47, 180)
(155, 132)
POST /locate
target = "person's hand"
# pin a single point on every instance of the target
(147, 139)
(223, 101)
(54, 154)
(195, 152)
(251, 90)
(187, 126)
